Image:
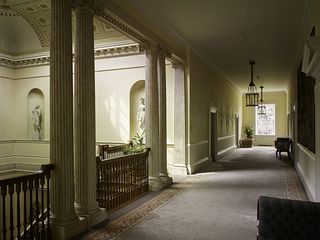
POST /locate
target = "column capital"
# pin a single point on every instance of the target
(148, 47)
(178, 65)
(84, 4)
(164, 52)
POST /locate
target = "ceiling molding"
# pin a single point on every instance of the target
(44, 59)
(116, 23)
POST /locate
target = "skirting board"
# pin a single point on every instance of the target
(188, 169)
(302, 169)
(226, 151)
(178, 170)
(310, 192)
(201, 163)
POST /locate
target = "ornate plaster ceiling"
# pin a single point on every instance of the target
(25, 27)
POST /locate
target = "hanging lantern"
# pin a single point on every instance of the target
(262, 106)
(252, 96)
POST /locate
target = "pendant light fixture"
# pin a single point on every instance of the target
(262, 107)
(252, 97)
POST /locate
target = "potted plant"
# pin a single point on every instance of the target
(248, 130)
(137, 145)
(247, 142)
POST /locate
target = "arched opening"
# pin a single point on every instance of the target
(137, 91)
(35, 114)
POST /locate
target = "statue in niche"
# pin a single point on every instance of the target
(36, 120)
(141, 114)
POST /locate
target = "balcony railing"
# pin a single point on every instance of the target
(25, 212)
(106, 151)
(121, 179)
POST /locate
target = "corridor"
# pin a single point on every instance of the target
(218, 203)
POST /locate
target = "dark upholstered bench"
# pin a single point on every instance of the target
(284, 219)
(282, 145)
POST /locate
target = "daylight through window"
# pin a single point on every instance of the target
(265, 124)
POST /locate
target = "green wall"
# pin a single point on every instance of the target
(208, 89)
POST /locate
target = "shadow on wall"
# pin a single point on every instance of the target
(116, 110)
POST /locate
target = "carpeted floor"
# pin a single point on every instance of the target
(218, 203)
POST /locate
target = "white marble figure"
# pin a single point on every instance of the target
(141, 114)
(36, 120)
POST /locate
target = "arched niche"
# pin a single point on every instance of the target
(136, 91)
(35, 108)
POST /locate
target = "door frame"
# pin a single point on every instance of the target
(237, 132)
(214, 111)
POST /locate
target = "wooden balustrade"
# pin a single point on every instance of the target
(121, 179)
(106, 151)
(25, 212)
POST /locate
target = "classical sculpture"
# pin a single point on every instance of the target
(36, 120)
(141, 114)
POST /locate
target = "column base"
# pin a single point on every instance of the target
(156, 184)
(166, 180)
(68, 229)
(179, 169)
(93, 217)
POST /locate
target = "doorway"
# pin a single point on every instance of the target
(237, 130)
(213, 134)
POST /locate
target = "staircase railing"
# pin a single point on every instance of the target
(121, 179)
(25, 201)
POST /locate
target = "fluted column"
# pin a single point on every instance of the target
(317, 134)
(163, 117)
(65, 222)
(84, 119)
(180, 162)
(152, 117)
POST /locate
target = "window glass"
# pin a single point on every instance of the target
(265, 123)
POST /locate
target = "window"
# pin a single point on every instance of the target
(265, 123)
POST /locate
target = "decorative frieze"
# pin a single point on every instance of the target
(24, 62)
(43, 60)
(117, 51)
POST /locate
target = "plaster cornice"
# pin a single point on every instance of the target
(102, 51)
(122, 26)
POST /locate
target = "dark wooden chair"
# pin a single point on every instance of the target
(283, 145)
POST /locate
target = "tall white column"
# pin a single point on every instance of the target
(180, 161)
(84, 119)
(163, 117)
(65, 222)
(152, 117)
(317, 134)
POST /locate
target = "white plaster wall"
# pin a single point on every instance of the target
(114, 79)
(6, 103)
(113, 96)
(26, 79)
(306, 166)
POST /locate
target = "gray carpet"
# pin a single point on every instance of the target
(218, 203)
